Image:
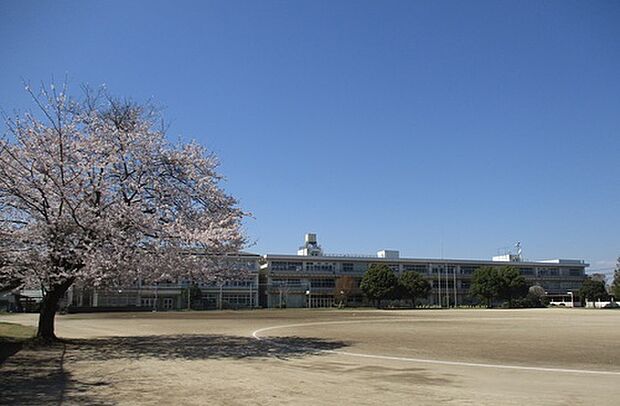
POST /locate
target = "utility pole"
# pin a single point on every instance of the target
(309, 294)
(221, 294)
(439, 286)
(189, 295)
(454, 274)
(445, 266)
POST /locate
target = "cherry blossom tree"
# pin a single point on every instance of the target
(91, 191)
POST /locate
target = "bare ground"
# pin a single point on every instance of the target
(322, 356)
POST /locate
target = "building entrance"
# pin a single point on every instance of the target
(321, 301)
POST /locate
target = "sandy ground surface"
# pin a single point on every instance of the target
(365, 357)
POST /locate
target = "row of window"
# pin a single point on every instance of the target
(286, 266)
(229, 299)
(320, 266)
(421, 268)
(463, 284)
(166, 303)
(237, 299)
(415, 267)
(285, 282)
(323, 283)
(236, 265)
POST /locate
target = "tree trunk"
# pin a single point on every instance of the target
(47, 314)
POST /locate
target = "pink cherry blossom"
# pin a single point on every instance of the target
(91, 191)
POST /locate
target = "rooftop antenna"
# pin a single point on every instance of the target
(519, 249)
(441, 248)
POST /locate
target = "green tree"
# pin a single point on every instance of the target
(378, 282)
(484, 285)
(593, 290)
(536, 296)
(511, 284)
(413, 285)
(615, 286)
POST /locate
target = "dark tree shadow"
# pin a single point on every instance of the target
(38, 375)
(35, 376)
(8, 348)
(196, 347)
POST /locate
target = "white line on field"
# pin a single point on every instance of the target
(256, 335)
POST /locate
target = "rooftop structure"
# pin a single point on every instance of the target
(310, 247)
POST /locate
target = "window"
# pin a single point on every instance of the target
(421, 268)
(468, 270)
(575, 272)
(167, 303)
(237, 264)
(527, 271)
(322, 283)
(548, 272)
(347, 267)
(319, 266)
(240, 283)
(237, 300)
(443, 269)
(285, 282)
(361, 267)
(210, 300)
(147, 302)
(285, 266)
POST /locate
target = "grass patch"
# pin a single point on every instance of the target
(15, 332)
(12, 338)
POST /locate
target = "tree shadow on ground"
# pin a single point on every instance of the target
(8, 348)
(35, 376)
(196, 347)
(39, 375)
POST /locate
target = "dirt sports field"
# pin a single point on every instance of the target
(303, 357)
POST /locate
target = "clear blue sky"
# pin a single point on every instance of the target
(400, 125)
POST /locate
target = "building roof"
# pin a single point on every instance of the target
(369, 258)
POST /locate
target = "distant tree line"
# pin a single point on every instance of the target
(491, 286)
